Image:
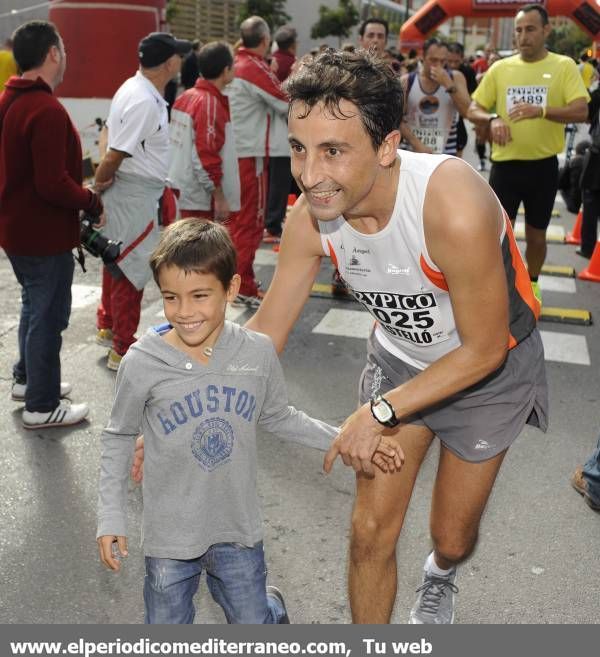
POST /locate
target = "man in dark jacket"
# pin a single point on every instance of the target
(40, 195)
(190, 70)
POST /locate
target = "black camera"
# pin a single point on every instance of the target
(94, 242)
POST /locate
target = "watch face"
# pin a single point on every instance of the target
(382, 411)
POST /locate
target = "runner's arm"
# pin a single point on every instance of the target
(478, 114)
(297, 267)
(499, 130)
(575, 112)
(460, 97)
(462, 231)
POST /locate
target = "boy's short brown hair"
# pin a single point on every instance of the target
(196, 245)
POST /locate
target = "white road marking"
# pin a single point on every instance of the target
(565, 348)
(345, 323)
(557, 284)
(265, 257)
(85, 295)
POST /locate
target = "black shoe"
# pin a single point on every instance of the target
(582, 253)
(273, 591)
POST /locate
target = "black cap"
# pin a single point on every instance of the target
(157, 47)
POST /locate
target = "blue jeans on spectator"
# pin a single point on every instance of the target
(236, 576)
(591, 474)
(46, 307)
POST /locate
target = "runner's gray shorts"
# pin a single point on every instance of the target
(483, 420)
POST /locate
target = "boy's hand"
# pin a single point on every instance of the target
(389, 456)
(137, 468)
(360, 444)
(112, 549)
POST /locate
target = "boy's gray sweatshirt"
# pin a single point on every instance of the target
(199, 426)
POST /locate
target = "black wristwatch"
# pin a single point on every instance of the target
(383, 411)
(492, 117)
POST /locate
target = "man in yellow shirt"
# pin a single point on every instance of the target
(587, 71)
(526, 99)
(8, 66)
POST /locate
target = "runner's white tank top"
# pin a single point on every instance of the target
(391, 274)
(432, 117)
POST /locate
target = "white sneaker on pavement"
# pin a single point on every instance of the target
(64, 415)
(18, 390)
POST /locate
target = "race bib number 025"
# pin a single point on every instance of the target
(413, 318)
(526, 94)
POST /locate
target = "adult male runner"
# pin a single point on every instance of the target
(455, 351)
(373, 34)
(526, 99)
(434, 100)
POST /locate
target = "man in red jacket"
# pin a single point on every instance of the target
(40, 195)
(255, 96)
(204, 166)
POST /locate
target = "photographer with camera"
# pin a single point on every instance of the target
(135, 166)
(40, 195)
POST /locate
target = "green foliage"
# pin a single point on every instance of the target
(172, 10)
(271, 10)
(335, 22)
(569, 40)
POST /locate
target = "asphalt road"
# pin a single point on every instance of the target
(537, 558)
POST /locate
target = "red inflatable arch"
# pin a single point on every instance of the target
(433, 13)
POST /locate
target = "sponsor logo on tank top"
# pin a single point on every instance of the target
(429, 105)
(413, 318)
(394, 270)
(355, 264)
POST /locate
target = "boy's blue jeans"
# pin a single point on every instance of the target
(236, 577)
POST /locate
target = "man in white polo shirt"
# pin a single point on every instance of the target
(134, 169)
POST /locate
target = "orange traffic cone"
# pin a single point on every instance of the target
(574, 237)
(592, 271)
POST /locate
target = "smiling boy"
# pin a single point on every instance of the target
(197, 388)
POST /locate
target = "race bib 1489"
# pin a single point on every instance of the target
(532, 94)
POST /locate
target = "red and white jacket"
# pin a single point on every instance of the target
(203, 154)
(255, 96)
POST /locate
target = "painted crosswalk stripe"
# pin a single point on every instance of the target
(85, 295)
(555, 284)
(559, 347)
(565, 348)
(265, 257)
(345, 323)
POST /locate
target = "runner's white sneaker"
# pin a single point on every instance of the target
(64, 415)
(435, 604)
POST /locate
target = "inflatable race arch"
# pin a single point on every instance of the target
(414, 32)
